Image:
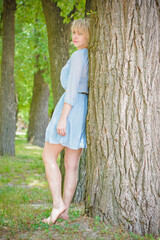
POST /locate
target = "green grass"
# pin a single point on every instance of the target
(25, 200)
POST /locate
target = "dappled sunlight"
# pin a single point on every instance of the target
(33, 147)
(21, 133)
(25, 150)
(37, 183)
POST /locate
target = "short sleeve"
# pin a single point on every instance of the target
(74, 77)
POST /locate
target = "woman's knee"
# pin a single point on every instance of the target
(47, 156)
(71, 166)
(51, 152)
(71, 159)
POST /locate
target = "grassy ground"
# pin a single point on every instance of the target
(25, 200)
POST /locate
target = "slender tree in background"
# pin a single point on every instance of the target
(123, 123)
(1, 10)
(32, 70)
(38, 118)
(58, 43)
(7, 85)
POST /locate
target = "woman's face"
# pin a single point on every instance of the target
(79, 38)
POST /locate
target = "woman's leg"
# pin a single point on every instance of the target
(50, 154)
(71, 159)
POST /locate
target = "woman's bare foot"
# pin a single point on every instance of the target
(63, 216)
(54, 214)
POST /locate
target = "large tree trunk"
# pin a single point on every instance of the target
(123, 122)
(38, 118)
(7, 86)
(58, 43)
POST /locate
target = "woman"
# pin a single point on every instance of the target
(67, 126)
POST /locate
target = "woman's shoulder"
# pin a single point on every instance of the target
(80, 54)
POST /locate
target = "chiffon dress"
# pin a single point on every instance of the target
(74, 79)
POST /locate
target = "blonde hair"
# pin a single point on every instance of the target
(82, 24)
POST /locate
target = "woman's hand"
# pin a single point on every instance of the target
(61, 127)
(62, 124)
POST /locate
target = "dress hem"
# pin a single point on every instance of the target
(65, 145)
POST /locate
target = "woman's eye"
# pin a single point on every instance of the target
(79, 33)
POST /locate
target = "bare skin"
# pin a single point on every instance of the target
(79, 38)
(62, 124)
(71, 159)
(50, 154)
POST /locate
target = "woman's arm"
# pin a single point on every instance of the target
(71, 93)
(62, 124)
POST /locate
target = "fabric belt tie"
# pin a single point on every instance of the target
(81, 92)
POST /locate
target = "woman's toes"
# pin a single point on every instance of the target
(54, 215)
(47, 220)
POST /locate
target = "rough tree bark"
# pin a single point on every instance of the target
(123, 122)
(38, 117)
(7, 85)
(79, 195)
(58, 43)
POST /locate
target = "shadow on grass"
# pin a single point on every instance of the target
(26, 200)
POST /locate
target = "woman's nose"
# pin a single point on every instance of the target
(75, 35)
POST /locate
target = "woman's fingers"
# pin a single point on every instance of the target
(61, 131)
(61, 127)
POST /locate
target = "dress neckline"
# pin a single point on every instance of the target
(82, 49)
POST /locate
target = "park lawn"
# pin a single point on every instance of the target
(25, 200)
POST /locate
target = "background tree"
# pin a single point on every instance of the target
(58, 44)
(123, 166)
(7, 84)
(38, 119)
(79, 195)
(32, 70)
(1, 11)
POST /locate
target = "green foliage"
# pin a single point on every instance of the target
(68, 6)
(31, 40)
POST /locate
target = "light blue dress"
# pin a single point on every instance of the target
(74, 79)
